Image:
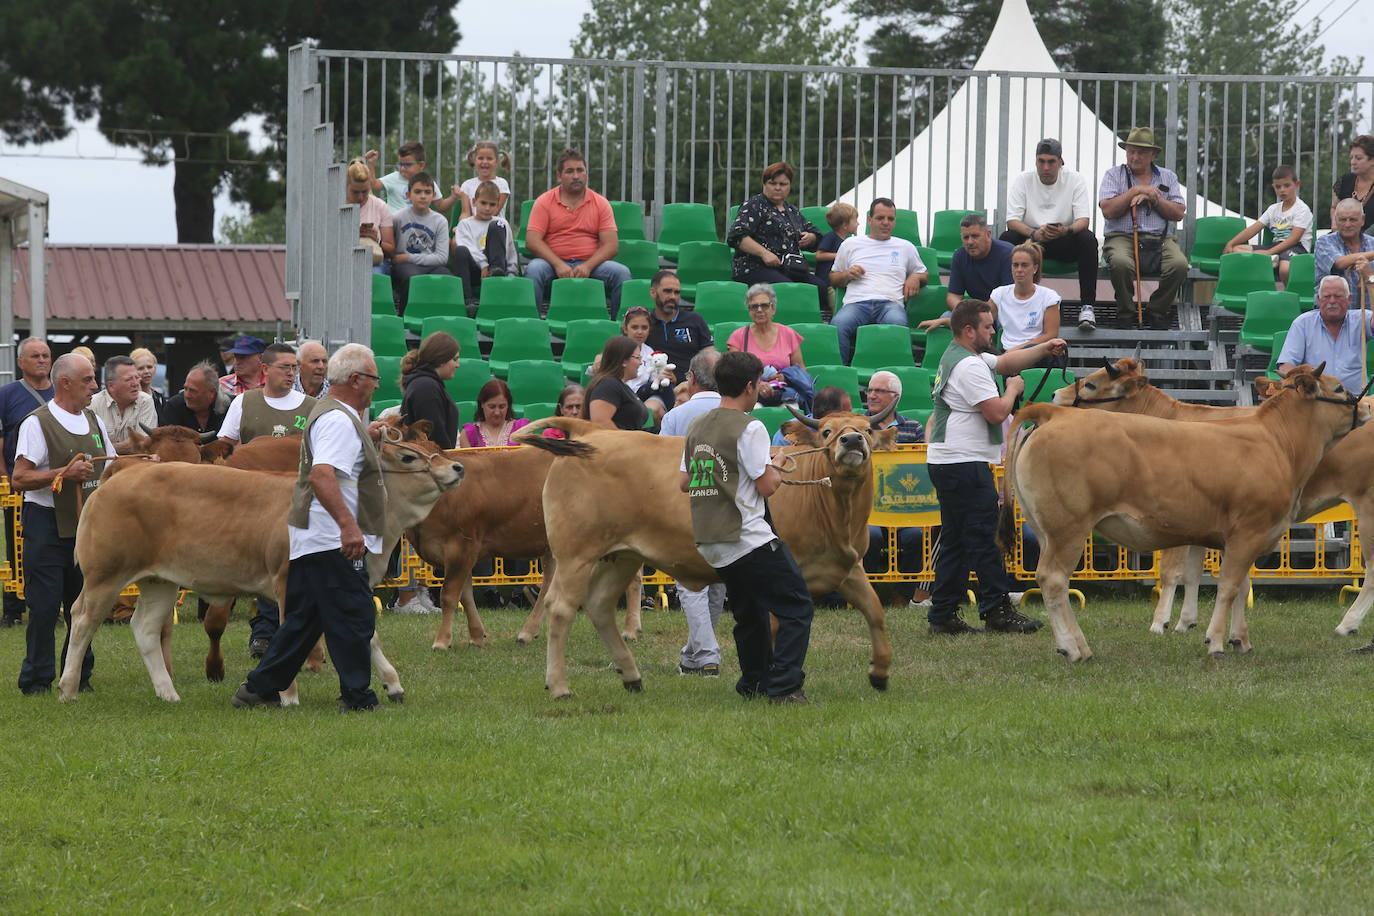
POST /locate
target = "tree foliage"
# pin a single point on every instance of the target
(177, 82)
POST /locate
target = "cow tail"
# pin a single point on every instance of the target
(567, 446)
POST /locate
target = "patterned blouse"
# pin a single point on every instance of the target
(774, 229)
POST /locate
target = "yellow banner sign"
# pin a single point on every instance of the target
(902, 492)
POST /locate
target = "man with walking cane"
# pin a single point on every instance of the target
(1141, 201)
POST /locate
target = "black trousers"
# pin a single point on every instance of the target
(266, 617)
(325, 593)
(968, 532)
(14, 605)
(1079, 247)
(52, 580)
(465, 267)
(767, 580)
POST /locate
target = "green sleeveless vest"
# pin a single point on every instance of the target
(261, 419)
(62, 448)
(712, 457)
(939, 419)
(370, 485)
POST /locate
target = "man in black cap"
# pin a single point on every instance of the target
(226, 359)
(248, 372)
(1051, 206)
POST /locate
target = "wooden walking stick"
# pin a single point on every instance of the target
(1135, 245)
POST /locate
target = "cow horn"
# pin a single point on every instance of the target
(881, 416)
(792, 408)
(1112, 371)
(1318, 370)
(147, 430)
(1136, 355)
(208, 436)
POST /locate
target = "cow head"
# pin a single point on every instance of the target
(849, 439)
(1108, 387)
(169, 443)
(1312, 385)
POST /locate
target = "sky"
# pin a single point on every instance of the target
(100, 193)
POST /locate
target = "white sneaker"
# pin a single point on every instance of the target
(413, 606)
(1087, 321)
(925, 603)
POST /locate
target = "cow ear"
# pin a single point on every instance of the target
(213, 452)
(420, 429)
(1138, 383)
(1306, 384)
(885, 440)
(139, 440)
(1264, 387)
(798, 433)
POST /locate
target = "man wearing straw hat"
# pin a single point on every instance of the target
(1140, 201)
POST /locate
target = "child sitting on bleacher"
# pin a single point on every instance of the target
(1289, 221)
(843, 221)
(484, 157)
(422, 242)
(485, 243)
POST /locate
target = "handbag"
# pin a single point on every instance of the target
(1151, 255)
(795, 267)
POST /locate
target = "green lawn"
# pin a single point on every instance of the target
(992, 776)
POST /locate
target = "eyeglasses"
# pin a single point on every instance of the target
(375, 378)
(406, 165)
(759, 306)
(881, 391)
(285, 368)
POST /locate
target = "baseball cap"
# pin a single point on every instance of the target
(1049, 147)
(247, 346)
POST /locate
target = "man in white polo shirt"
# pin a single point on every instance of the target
(878, 274)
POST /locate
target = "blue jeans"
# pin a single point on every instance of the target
(855, 315)
(611, 273)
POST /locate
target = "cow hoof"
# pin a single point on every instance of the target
(1217, 655)
(1184, 627)
(170, 697)
(439, 647)
(1350, 632)
(876, 682)
(522, 640)
(397, 697)
(1157, 629)
(635, 686)
(1063, 652)
(629, 637)
(565, 695)
(1240, 648)
(215, 673)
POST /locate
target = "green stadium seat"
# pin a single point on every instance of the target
(472, 374)
(518, 338)
(629, 220)
(1267, 313)
(382, 302)
(437, 289)
(846, 377)
(908, 227)
(685, 223)
(916, 397)
(1275, 348)
(533, 380)
(467, 413)
(388, 335)
(820, 344)
(721, 300)
(881, 346)
(721, 331)
(525, 208)
(797, 304)
(586, 337)
(505, 297)
(944, 235)
(464, 330)
(632, 293)
(639, 256)
(379, 406)
(702, 262)
(816, 217)
(1302, 279)
(538, 410)
(1045, 395)
(1240, 274)
(1210, 235)
(937, 341)
(389, 387)
(417, 313)
(931, 259)
(926, 305)
(571, 298)
(772, 418)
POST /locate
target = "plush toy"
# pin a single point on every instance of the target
(659, 365)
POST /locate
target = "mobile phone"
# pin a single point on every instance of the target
(366, 226)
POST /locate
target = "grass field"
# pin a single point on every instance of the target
(992, 776)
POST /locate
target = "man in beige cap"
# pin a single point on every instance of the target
(1154, 194)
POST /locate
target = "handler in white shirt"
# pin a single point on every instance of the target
(878, 273)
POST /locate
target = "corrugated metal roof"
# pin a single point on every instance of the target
(161, 283)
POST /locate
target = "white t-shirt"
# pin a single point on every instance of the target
(1037, 204)
(966, 432)
(229, 429)
(471, 233)
(333, 441)
(34, 447)
(1022, 319)
(469, 188)
(886, 265)
(1282, 222)
(752, 449)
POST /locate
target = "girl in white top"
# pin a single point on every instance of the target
(484, 157)
(1028, 312)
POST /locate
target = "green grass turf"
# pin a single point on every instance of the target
(992, 776)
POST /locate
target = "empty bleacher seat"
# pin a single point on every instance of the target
(797, 303)
(820, 344)
(505, 297)
(685, 223)
(640, 256)
(722, 300)
(471, 375)
(1240, 274)
(1210, 235)
(703, 262)
(572, 298)
(464, 330)
(846, 377)
(881, 346)
(629, 220)
(585, 339)
(1266, 313)
(518, 338)
(533, 380)
(388, 335)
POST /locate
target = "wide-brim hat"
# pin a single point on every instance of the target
(1142, 137)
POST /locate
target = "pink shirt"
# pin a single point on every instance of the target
(474, 433)
(375, 211)
(780, 357)
(572, 234)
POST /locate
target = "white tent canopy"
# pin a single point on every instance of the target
(939, 169)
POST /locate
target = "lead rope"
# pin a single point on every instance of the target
(1045, 377)
(821, 482)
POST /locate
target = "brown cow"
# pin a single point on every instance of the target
(161, 511)
(1149, 484)
(599, 538)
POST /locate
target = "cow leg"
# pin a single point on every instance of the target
(216, 619)
(89, 610)
(1057, 560)
(1171, 564)
(1235, 571)
(154, 608)
(857, 591)
(1192, 579)
(565, 593)
(386, 672)
(1350, 623)
(1240, 628)
(634, 597)
(457, 590)
(607, 583)
(314, 662)
(529, 631)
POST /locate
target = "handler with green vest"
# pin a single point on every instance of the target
(50, 439)
(336, 519)
(964, 436)
(727, 473)
(276, 409)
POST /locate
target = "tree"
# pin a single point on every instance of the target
(265, 228)
(177, 85)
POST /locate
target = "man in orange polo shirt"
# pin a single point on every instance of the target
(572, 233)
